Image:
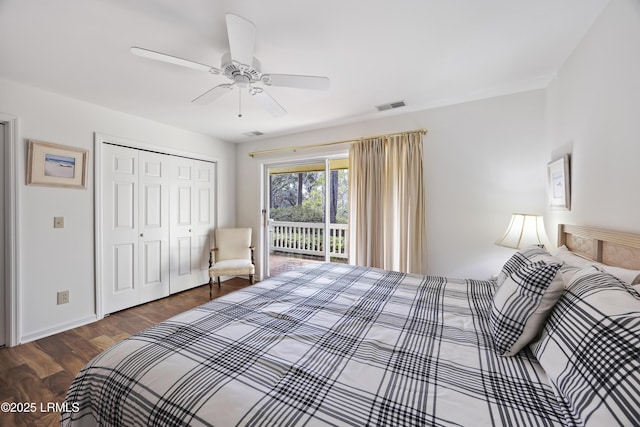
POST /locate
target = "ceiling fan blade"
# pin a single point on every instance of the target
(267, 102)
(300, 82)
(150, 54)
(242, 37)
(213, 94)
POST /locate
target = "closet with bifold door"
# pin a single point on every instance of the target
(158, 216)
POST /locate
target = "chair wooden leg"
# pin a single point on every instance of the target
(251, 279)
(218, 281)
(210, 288)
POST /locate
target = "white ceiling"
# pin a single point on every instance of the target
(426, 52)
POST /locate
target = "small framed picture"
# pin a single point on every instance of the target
(56, 165)
(558, 177)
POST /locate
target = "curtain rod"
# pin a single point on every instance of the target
(346, 141)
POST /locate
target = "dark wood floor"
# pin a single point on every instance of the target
(40, 372)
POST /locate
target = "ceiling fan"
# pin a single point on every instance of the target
(240, 66)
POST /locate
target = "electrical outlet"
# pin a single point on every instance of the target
(63, 297)
(58, 222)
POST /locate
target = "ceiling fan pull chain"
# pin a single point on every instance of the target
(239, 102)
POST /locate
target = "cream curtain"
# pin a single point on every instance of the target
(387, 206)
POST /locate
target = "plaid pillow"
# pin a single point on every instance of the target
(519, 260)
(590, 349)
(522, 303)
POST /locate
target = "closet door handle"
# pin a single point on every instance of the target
(141, 235)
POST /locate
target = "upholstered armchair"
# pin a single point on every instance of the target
(232, 256)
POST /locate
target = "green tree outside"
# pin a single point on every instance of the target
(299, 197)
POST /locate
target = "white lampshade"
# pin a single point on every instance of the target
(523, 230)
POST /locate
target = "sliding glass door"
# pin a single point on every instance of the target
(306, 213)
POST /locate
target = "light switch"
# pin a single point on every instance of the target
(58, 222)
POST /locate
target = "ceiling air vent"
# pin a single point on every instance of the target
(391, 105)
(254, 133)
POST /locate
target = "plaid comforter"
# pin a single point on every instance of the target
(328, 344)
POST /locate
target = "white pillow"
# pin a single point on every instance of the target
(571, 258)
(628, 276)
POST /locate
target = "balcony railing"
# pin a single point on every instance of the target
(307, 238)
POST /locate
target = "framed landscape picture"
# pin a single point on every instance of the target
(559, 183)
(56, 165)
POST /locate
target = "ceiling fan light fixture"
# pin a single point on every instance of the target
(242, 80)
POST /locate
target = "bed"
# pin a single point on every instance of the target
(334, 344)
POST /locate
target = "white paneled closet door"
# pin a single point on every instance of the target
(120, 228)
(135, 227)
(154, 226)
(204, 221)
(192, 217)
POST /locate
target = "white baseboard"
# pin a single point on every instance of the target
(43, 333)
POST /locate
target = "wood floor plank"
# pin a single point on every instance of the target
(55, 347)
(41, 363)
(9, 358)
(81, 346)
(71, 362)
(41, 371)
(59, 383)
(103, 342)
(6, 394)
(28, 386)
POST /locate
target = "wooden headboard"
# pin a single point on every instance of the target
(608, 247)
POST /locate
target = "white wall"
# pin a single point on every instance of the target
(593, 111)
(63, 259)
(483, 160)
